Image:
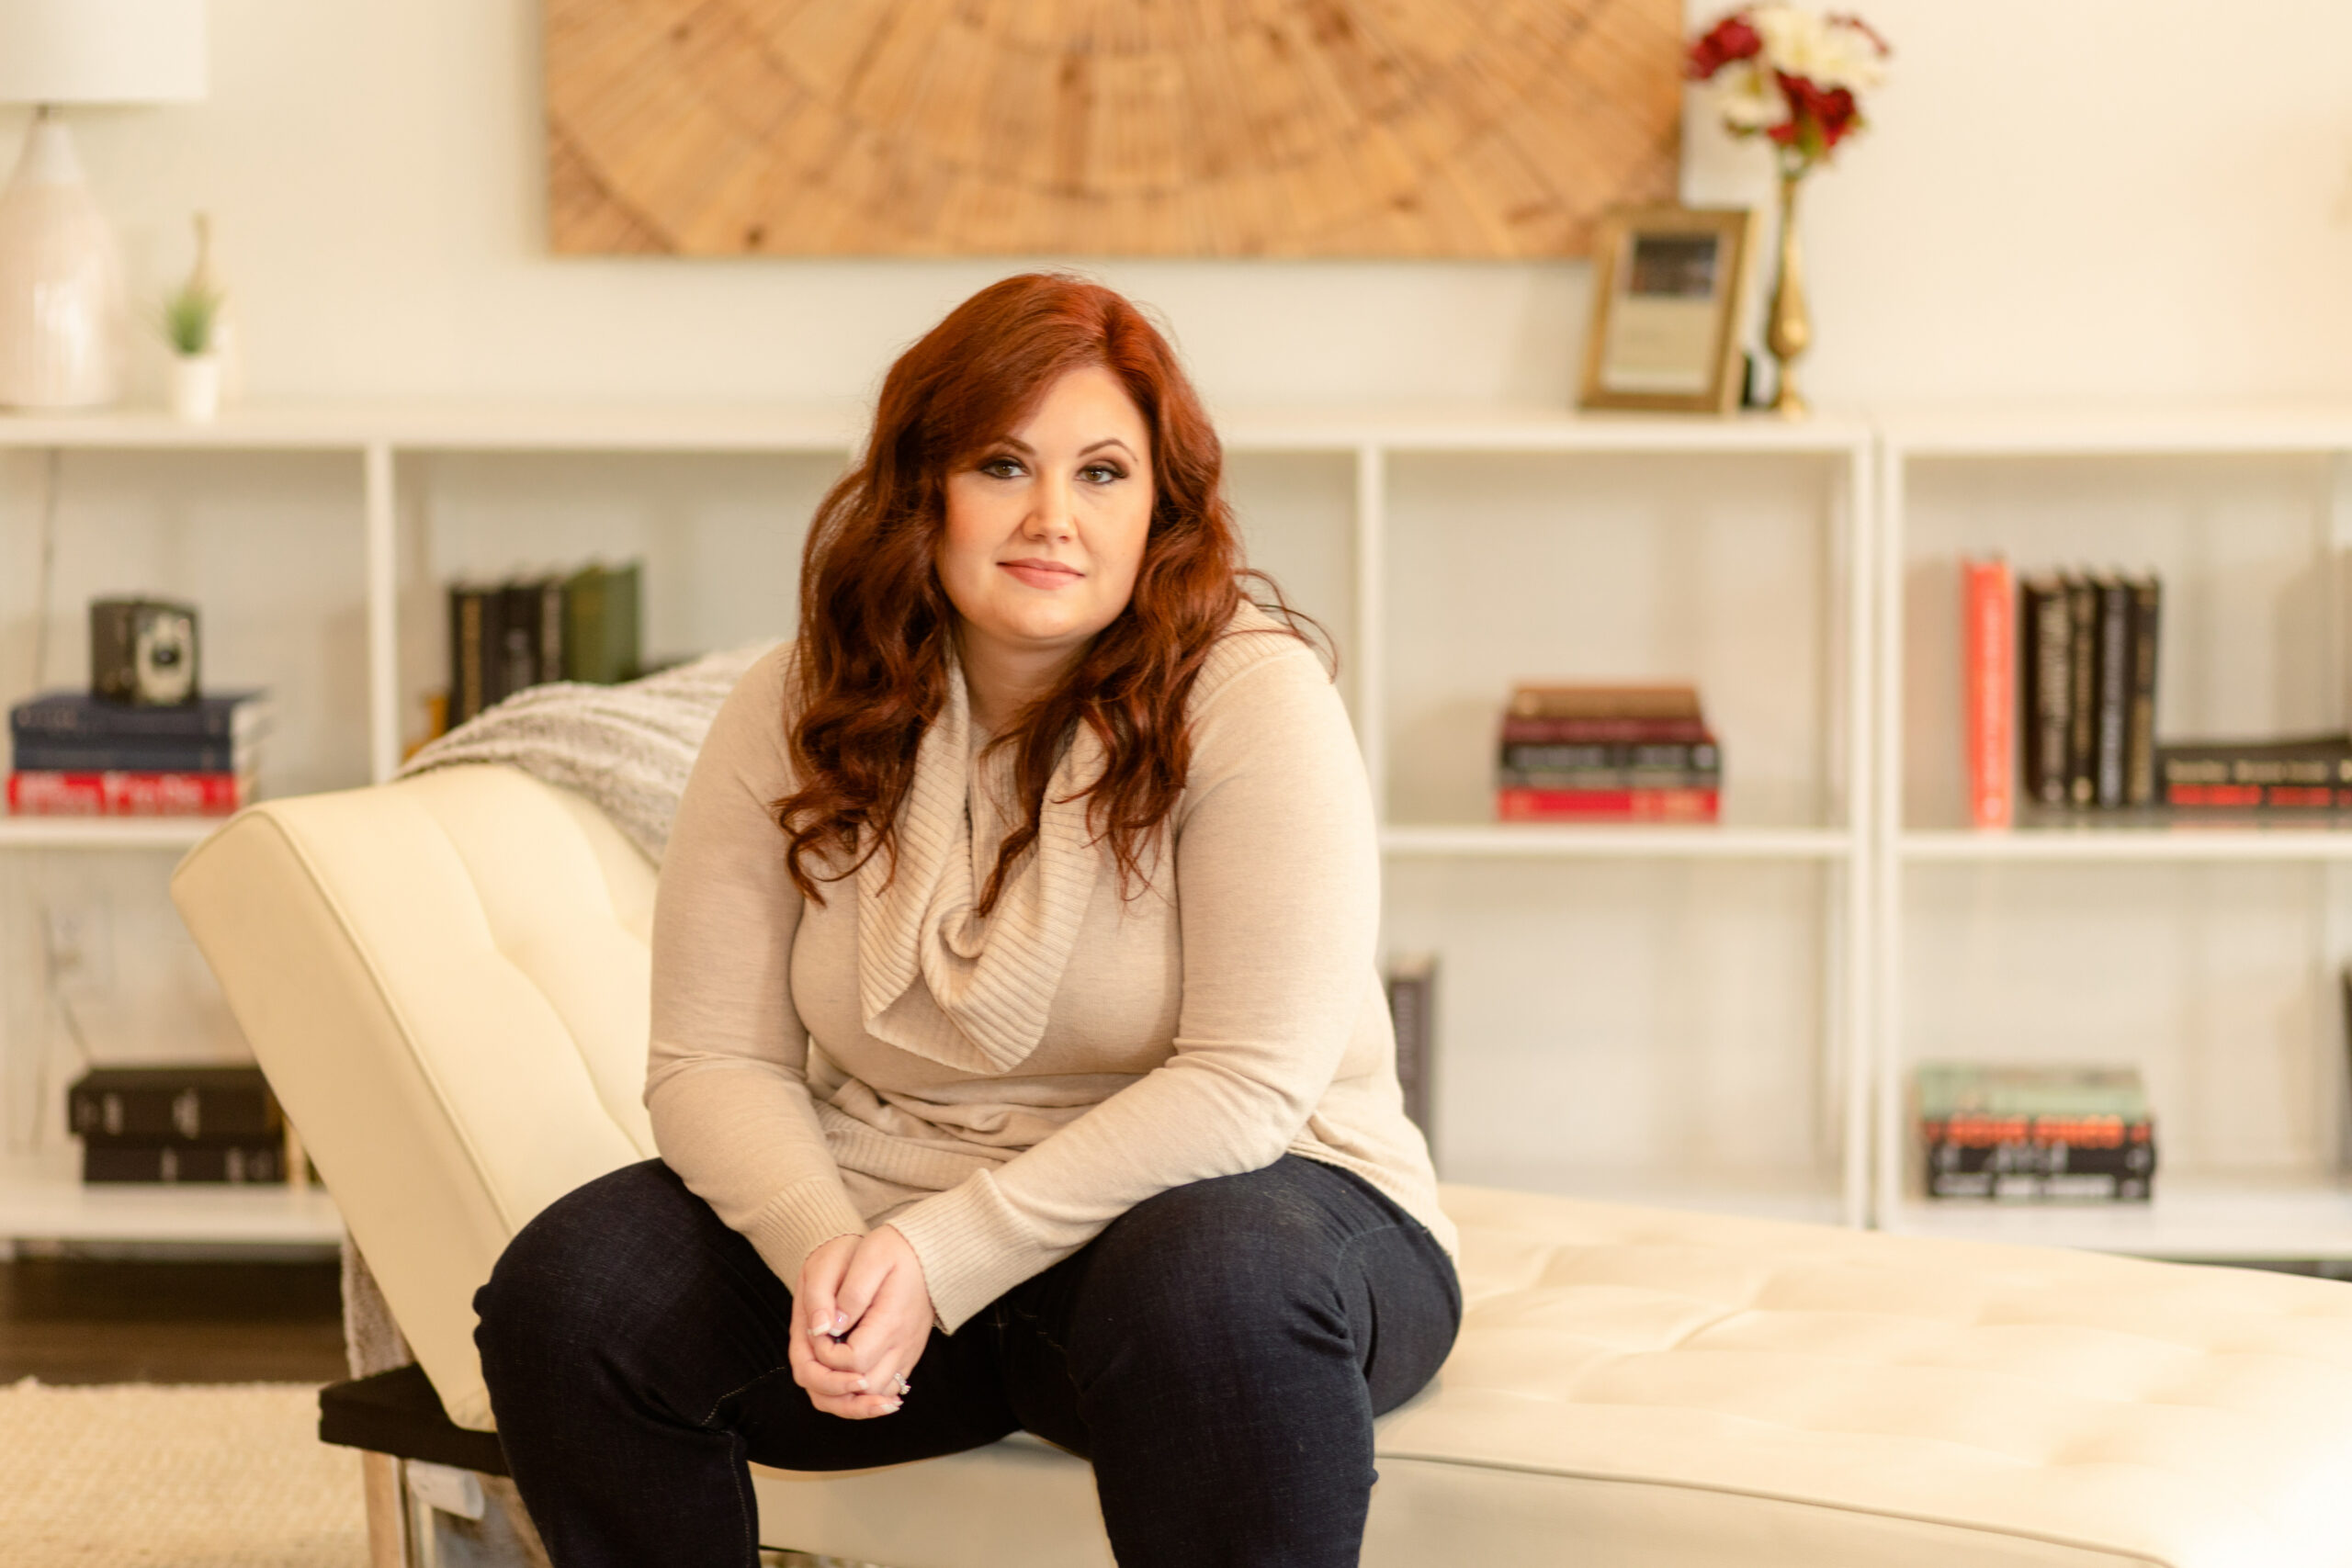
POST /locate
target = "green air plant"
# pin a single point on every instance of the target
(191, 311)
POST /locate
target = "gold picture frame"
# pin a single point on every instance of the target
(1668, 284)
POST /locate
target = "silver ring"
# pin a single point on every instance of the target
(905, 1387)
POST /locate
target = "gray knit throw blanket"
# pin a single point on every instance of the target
(627, 749)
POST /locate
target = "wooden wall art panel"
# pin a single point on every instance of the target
(1195, 128)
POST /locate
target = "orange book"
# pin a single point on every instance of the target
(1988, 608)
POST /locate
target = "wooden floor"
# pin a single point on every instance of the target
(67, 1320)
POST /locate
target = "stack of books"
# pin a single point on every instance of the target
(75, 754)
(182, 1123)
(2036, 1133)
(1584, 754)
(2283, 777)
(505, 636)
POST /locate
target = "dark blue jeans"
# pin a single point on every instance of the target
(1219, 1353)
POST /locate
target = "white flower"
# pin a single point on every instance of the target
(1846, 56)
(1749, 97)
(1830, 54)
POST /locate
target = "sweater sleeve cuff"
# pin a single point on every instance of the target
(798, 1220)
(972, 1246)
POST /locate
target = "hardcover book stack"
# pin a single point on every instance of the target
(1589, 753)
(181, 1124)
(2262, 778)
(504, 636)
(75, 754)
(2036, 1133)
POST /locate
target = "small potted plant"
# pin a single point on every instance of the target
(191, 327)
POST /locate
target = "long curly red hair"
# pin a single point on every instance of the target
(875, 625)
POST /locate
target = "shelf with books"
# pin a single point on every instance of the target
(44, 1197)
(1627, 1038)
(2204, 950)
(2192, 1219)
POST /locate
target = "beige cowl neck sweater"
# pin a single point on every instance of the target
(1002, 1088)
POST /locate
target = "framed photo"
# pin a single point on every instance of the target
(1667, 282)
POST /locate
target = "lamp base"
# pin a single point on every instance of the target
(62, 313)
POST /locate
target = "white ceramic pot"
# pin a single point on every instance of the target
(196, 386)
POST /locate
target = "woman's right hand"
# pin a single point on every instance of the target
(815, 1311)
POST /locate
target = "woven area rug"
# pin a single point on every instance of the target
(137, 1475)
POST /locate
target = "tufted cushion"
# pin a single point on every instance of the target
(446, 980)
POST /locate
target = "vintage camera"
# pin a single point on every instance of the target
(142, 650)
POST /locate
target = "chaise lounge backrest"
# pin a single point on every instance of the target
(446, 981)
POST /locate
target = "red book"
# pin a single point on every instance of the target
(1520, 805)
(1988, 604)
(2264, 797)
(37, 794)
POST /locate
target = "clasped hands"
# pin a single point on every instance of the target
(861, 1318)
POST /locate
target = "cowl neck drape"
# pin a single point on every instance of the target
(986, 984)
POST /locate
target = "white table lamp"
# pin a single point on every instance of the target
(63, 325)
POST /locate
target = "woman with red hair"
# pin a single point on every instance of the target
(1018, 1057)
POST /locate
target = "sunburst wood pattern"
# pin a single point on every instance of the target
(1201, 127)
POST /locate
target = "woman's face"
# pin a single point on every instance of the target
(1046, 526)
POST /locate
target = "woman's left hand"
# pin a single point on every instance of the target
(887, 1304)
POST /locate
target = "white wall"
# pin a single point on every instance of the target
(2059, 197)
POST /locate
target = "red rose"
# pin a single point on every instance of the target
(1839, 116)
(1817, 120)
(1733, 38)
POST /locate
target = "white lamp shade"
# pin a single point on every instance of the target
(101, 52)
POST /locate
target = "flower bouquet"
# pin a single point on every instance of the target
(1790, 76)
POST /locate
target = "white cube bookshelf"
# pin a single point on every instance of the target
(1724, 1016)
(1751, 576)
(2204, 955)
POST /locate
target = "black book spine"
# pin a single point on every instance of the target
(2140, 739)
(2082, 705)
(518, 638)
(1608, 778)
(235, 1163)
(2046, 692)
(132, 757)
(191, 1112)
(2314, 762)
(549, 593)
(77, 717)
(2114, 687)
(1677, 756)
(2038, 1158)
(1411, 1009)
(2064, 1186)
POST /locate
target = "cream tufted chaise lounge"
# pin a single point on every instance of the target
(445, 979)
